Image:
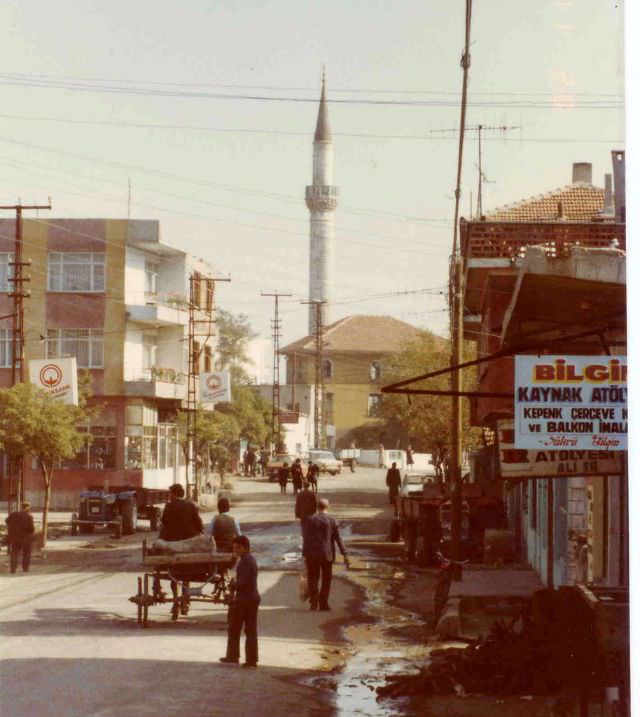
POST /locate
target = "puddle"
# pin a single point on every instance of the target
(380, 648)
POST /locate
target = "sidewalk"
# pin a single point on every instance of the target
(488, 592)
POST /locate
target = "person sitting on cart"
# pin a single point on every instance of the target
(180, 520)
(223, 528)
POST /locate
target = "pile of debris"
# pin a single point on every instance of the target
(549, 646)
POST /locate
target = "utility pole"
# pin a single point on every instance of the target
(318, 385)
(455, 303)
(17, 340)
(196, 282)
(276, 426)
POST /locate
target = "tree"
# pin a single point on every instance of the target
(422, 421)
(234, 334)
(33, 423)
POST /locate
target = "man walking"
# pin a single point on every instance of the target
(283, 477)
(20, 534)
(313, 471)
(297, 476)
(244, 609)
(320, 536)
(306, 505)
(393, 484)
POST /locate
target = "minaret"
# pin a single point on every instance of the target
(322, 200)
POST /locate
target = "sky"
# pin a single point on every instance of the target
(206, 109)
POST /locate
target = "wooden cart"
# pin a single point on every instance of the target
(188, 577)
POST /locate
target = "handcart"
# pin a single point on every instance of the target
(187, 577)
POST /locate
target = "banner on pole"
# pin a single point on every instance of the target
(571, 402)
(215, 387)
(58, 377)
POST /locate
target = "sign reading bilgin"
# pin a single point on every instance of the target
(571, 402)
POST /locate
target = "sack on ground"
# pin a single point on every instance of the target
(303, 587)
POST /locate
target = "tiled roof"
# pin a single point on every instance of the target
(368, 334)
(579, 202)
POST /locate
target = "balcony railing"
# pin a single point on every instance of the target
(509, 240)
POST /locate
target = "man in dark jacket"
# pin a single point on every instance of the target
(393, 484)
(244, 609)
(20, 534)
(283, 476)
(306, 505)
(320, 537)
(180, 518)
(312, 476)
(297, 476)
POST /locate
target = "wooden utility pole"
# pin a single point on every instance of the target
(318, 385)
(276, 425)
(17, 340)
(196, 281)
(455, 304)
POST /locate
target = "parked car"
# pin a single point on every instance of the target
(325, 460)
(274, 465)
(413, 482)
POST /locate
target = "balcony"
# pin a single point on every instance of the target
(489, 247)
(158, 383)
(158, 309)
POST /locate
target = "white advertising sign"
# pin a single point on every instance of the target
(542, 463)
(571, 402)
(215, 387)
(58, 377)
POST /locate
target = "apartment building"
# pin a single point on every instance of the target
(110, 293)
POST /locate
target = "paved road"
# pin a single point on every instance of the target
(71, 645)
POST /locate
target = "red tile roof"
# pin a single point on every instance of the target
(579, 202)
(367, 334)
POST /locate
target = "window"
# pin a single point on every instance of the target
(328, 408)
(196, 285)
(327, 368)
(195, 358)
(149, 351)
(210, 287)
(76, 272)
(375, 371)
(208, 359)
(6, 347)
(6, 272)
(150, 279)
(87, 345)
(375, 399)
(98, 453)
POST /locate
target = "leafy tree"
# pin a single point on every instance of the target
(33, 423)
(422, 421)
(234, 334)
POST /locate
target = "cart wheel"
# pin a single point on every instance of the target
(139, 601)
(145, 607)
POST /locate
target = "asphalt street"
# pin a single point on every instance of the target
(72, 646)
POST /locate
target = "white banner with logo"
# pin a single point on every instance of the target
(58, 377)
(571, 402)
(522, 463)
(215, 387)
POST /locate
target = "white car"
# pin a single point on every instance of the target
(325, 460)
(412, 483)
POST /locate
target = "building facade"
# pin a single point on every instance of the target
(110, 293)
(547, 276)
(355, 352)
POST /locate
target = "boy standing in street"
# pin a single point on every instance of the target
(244, 608)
